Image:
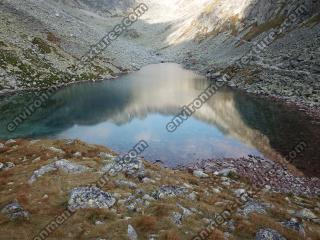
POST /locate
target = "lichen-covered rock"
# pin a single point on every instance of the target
(252, 207)
(90, 197)
(134, 167)
(169, 191)
(268, 234)
(64, 165)
(15, 211)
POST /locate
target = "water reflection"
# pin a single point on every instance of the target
(119, 113)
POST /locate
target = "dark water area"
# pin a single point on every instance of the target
(119, 113)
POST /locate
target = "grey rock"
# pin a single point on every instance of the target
(239, 192)
(294, 225)
(268, 234)
(169, 191)
(15, 211)
(56, 150)
(98, 222)
(132, 234)
(176, 218)
(90, 197)
(132, 206)
(148, 197)
(124, 183)
(200, 174)
(7, 165)
(1, 145)
(253, 207)
(225, 172)
(134, 167)
(64, 165)
(148, 180)
(306, 214)
(192, 196)
(77, 154)
(10, 141)
(185, 211)
(105, 156)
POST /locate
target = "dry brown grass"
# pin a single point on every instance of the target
(216, 235)
(171, 235)
(145, 223)
(51, 37)
(152, 219)
(248, 229)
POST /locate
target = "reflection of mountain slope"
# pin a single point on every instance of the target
(283, 126)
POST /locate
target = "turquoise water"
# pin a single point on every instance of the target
(119, 113)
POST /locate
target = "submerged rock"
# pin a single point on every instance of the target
(268, 234)
(15, 211)
(90, 197)
(64, 165)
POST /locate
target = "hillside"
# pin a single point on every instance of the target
(42, 42)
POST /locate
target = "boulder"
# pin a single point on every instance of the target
(253, 207)
(64, 165)
(15, 211)
(268, 234)
(169, 191)
(90, 197)
(305, 214)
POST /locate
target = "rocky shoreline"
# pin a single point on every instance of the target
(65, 189)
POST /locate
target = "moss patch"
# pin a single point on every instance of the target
(42, 45)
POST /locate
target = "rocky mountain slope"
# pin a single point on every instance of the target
(42, 42)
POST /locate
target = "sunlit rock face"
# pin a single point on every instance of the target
(202, 19)
(101, 5)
